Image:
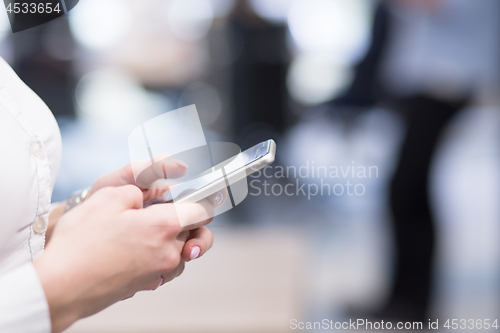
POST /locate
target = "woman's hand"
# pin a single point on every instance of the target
(151, 185)
(148, 176)
(148, 180)
(108, 248)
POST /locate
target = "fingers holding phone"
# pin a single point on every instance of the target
(109, 248)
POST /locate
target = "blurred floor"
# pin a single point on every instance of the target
(251, 281)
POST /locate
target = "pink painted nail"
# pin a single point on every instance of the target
(195, 252)
(181, 163)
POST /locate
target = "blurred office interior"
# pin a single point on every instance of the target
(281, 69)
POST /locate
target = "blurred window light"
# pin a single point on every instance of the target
(190, 19)
(339, 28)
(314, 79)
(100, 24)
(114, 99)
(272, 10)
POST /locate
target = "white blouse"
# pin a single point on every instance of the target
(30, 150)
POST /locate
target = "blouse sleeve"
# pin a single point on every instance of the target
(23, 306)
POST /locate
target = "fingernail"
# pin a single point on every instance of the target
(195, 252)
(218, 198)
(180, 163)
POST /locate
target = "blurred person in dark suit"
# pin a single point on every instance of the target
(258, 76)
(428, 60)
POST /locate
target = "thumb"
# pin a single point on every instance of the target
(162, 168)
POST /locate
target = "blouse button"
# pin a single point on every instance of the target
(39, 226)
(36, 149)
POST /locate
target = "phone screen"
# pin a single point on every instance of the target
(237, 165)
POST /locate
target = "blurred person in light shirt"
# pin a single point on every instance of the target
(442, 55)
(429, 59)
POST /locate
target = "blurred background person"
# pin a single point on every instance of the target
(435, 66)
(258, 76)
(428, 63)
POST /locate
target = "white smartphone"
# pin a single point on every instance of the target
(221, 175)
